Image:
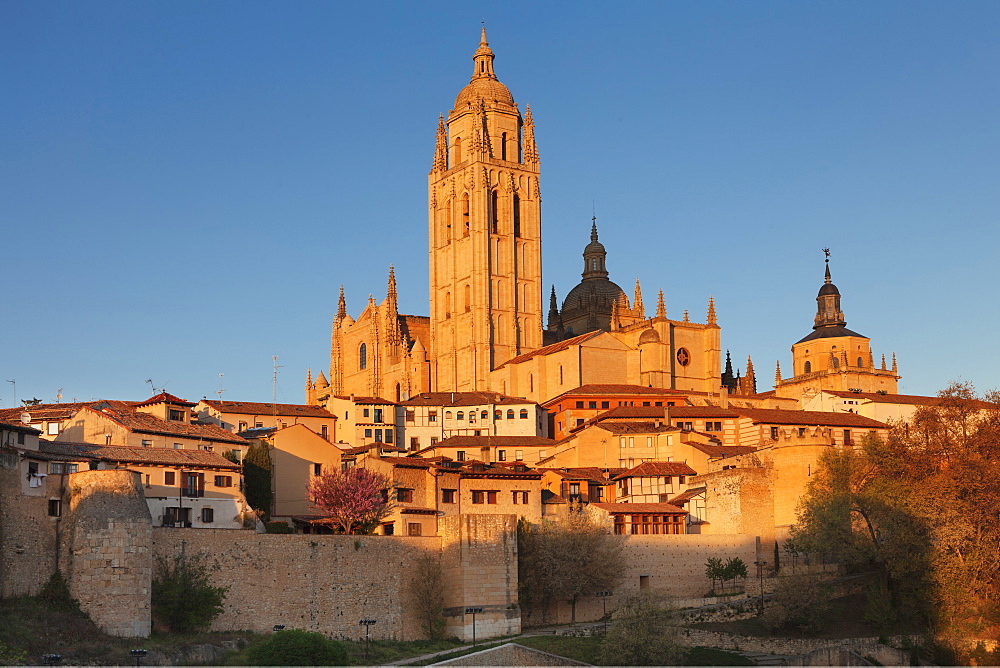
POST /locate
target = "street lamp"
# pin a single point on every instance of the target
(367, 623)
(137, 654)
(603, 595)
(473, 611)
(279, 627)
(51, 659)
(760, 574)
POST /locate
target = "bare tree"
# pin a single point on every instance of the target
(425, 596)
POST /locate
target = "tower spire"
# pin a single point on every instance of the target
(712, 320)
(637, 305)
(777, 373)
(530, 147)
(553, 323)
(594, 255)
(661, 308)
(440, 147)
(341, 306)
(828, 312)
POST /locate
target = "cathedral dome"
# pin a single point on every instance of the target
(489, 90)
(829, 289)
(596, 291)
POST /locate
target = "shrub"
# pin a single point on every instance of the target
(278, 526)
(880, 611)
(182, 598)
(801, 602)
(297, 648)
(11, 656)
(641, 635)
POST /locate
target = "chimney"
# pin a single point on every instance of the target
(666, 414)
(724, 397)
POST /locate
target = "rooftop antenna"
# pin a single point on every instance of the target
(59, 395)
(274, 389)
(14, 383)
(220, 390)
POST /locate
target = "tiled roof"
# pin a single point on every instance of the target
(19, 426)
(164, 456)
(378, 401)
(144, 423)
(463, 399)
(165, 397)
(635, 427)
(720, 451)
(597, 389)
(687, 495)
(633, 412)
(640, 508)
(62, 451)
(701, 411)
(45, 412)
(257, 408)
(553, 348)
(649, 469)
(818, 418)
(493, 441)
(909, 399)
(549, 496)
(591, 473)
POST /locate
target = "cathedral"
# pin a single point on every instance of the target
(486, 330)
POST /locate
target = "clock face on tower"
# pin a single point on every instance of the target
(683, 356)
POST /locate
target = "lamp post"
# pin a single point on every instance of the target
(279, 627)
(367, 623)
(137, 654)
(51, 659)
(472, 611)
(760, 575)
(603, 595)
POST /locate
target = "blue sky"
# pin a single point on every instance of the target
(186, 185)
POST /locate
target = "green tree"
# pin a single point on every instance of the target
(182, 598)
(642, 635)
(714, 570)
(735, 568)
(297, 648)
(257, 477)
(566, 560)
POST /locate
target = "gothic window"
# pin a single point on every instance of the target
(808, 368)
(447, 305)
(457, 150)
(531, 383)
(468, 297)
(494, 209)
(465, 215)
(363, 356)
(517, 216)
(836, 362)
(860, 362)
(503, 146)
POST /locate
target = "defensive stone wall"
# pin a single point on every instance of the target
(312, 582)
(27, 535)
(105, 549)
(479, 563)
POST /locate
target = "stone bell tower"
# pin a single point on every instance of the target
(484, 233)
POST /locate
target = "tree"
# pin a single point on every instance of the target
(567, 560)
(734, 568)
(921, 507)
(714, 570)
(355, 500)
(425, 594)
(642, 635)
(296, 647)
(182, 597)
(257, 477)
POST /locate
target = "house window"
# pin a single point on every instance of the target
(223, 481)
(520, 498)
(498, 415)
(808, 368)
(378, 436)
(524, 413)
(605, 404)
(62, 467)
(388, 436)
(365, 412)
(645, 403)
(194, 484)
(484, 496)
(847, 437)
(20, 438)
(574, 489)
(501, 455)
(388, 529)
(243, 426)
(579, 422)
(411, 416)
(207, 515)
(325, 432)
(363, 356)
(317, 469)
(432, 416)
(378, 415)
(258, 425)
(802, 432)
(414, 443)
(168, 478)
(579, 404)
(434, 441)
(448, 495)
(483, 415)
(541, 454)
(713, 426)
(631, 441)
(180, 446)
(404, 495)
(53, 427)
(518, 455)
(774, 433)
(55, 507)
(591, 405)
(510, 414)
(658, 403)
(368, 433)
(460, 455)
(175, 415)
(413, 529)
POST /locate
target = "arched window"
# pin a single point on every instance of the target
(510, 413)
(498, 414)
(447, 415)
(465, 215)
(860, 362)
(484, 415)
(524, 413)
(808, 368)
(503, 145)
(460, 415)
(468, 297)
(494, 208)
(363, 356)
(456, 150)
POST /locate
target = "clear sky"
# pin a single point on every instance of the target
(185, 185)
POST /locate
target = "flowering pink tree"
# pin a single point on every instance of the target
(354, 500)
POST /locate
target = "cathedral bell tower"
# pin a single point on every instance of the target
(485, 234)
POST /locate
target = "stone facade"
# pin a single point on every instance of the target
(28, 543)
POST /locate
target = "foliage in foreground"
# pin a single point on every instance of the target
(257, 477)
(182, 598)
(800, 602)
(564, 561)
(921, 507)
(642, 635)
(297, 648)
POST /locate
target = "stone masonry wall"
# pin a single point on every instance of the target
(105, 553)
(27, 536)
(312, 582)
(479, 562)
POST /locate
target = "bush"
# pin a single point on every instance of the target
(278, 526)
(641, 635)
(880, 611)
(801, 602)
(182, 598)
(297, 648)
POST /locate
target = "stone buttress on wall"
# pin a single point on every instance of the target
(479, 563)
(27, 536)
(105, 550)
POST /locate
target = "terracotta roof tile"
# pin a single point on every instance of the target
(661, 508)
(463, 399)
(493, 441)
(378, 401)
(164, 456)
(145, 423)
(909, 399)
(635, 427)
(686, 496)
(19, 426)
(649, 469)
(165, 397)
(258, 408)
(609, 389)
(553, 348)
(818, 418)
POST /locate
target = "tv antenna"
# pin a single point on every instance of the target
(274, 388)
(14, 383)
(220, 390)
(59, 395)
(154, 388)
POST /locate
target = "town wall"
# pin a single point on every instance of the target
(27, 534)
(324, 583)
(479, 564)
(105, 550)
